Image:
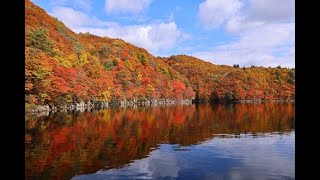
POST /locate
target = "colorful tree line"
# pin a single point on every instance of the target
(63, 67)
(220, 82)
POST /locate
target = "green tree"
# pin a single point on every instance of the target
(108, 65)
(144, 59)
(39, 39)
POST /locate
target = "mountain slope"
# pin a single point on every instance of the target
(64, 67)
(220, 82)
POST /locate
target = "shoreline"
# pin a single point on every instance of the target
(104, 104)
(82, 106)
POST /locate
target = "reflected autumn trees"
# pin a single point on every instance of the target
(65, 144)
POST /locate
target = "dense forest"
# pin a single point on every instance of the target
(220, 82)
(62, 67)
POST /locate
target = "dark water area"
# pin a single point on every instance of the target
(220, 141)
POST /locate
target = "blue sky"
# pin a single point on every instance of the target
(244, 32)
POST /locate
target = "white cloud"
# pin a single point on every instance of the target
(265, 31)
(265, 45)
(271, 10)
(213, 13)
(239, 23)
(154, 37)
(261, 12)
(74, 19)
(130, 6)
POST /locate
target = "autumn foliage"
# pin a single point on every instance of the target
(63, 67)
(220, 82)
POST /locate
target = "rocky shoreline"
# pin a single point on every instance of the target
(262, 100)
(105, 104)
(81, 106)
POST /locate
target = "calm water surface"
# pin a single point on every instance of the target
(235, 141)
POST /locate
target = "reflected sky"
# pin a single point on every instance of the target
(270, 156)
(220, 141)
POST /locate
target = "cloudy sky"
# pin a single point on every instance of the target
(244, 32)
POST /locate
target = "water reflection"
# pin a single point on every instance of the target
(235, 141)
(238, 158)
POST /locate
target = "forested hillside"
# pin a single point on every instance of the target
(218, 82)
(62, 67)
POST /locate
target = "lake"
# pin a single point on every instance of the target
(219, 141)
